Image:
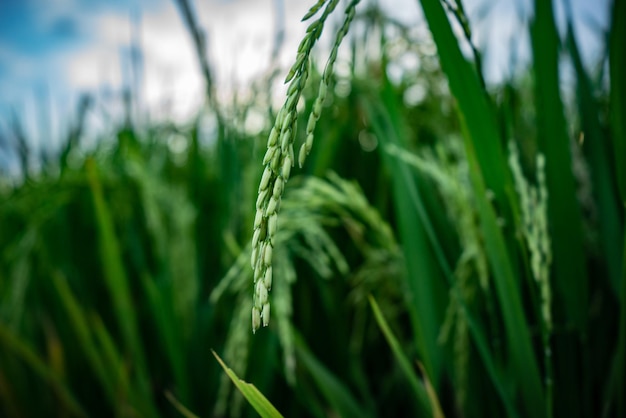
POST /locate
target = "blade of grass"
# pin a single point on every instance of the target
(335, 392)
(126, 395)
(619, 363)
(117, 282)
(251, 393)
(425, 259)
(164, 317)
(8, 398)
(564, 214)
(488, 171)
(563, 211)
(472, 102)
(82, 331)
(423, 398)
(432, 395)
(23, 351)
(184, 411)
(378, 118)
(518, 335)
(113, 360)
(617, 69)
(595, 143)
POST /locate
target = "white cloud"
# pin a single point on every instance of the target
(240, 37)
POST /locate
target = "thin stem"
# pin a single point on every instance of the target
(458, 12)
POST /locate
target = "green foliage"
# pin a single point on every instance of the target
(420, 265)
(252, 394)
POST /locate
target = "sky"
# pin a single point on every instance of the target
(52, 51)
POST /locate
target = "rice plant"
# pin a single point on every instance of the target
(444, 246)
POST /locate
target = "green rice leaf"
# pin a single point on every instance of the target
(597, 146)
(335, 392)
(563, 208)
(22, 350)
(117, 282)
(409, 196)
(617, 69)
(254, 397)
(488, 172)
(423, 396)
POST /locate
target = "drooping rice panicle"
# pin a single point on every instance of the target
(534, 208)
(305, 148)
(280, 157)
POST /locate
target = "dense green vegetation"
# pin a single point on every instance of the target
(446, 249)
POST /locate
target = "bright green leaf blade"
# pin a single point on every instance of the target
(563, 209)
(472, 102)
(488, 172)
(254, 397)
(117, 282)
(411, 193)
(424, 256)
(518, 334)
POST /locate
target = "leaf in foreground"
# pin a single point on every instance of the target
(254, 397)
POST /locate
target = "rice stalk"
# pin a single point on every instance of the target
(447, 168)
(534, 208)
(458, 11)
(279, 157)
(307, 211)
(236, 354)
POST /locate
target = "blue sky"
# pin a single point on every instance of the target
(53, 50)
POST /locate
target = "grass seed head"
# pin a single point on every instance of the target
(272, 223)
(256, 319)
(257, 275)
(278, 187)
(310, 126)
(287, 163)
(266, 314)
(258, 218)
(267, 175)
(255, 237)
(280, 157)
(267, 278)
(269, 154)
(271, 141)
(254, 257)
(292, 101)
(261, 198)
(271, 207)
(317, 108)
(275, 164)
(285, 138)
(261, 292)
(293, 87)
(267, 254)
(302, 155)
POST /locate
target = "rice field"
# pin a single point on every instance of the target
(423, 245)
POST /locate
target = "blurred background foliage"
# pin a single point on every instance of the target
(123, 264)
